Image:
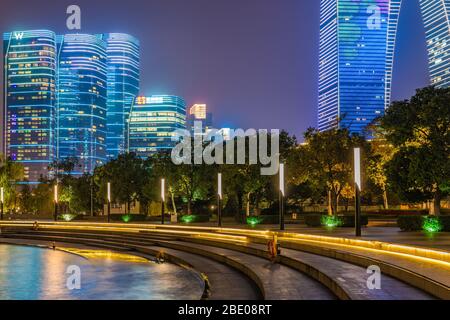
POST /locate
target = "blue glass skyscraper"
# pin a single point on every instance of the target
(357, 42)
(123, 87)
(153, 122)
(81, 104)
(30, 100)
(436, 18)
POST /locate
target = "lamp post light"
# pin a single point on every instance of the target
(282, 194)
(163, 199)
(357, 168)
(219, 199)
(55, 199)
(2, 199)
(109, 201)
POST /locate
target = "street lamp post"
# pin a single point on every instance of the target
(109, 201)
(55, 195)
(163, 199)
(219, 199)
(282, 194)
(2, 198)
(357, 164)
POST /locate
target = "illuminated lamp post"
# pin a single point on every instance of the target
(282, 194)
(219, 199)
(109, 201)
(357, 168)
(2, 199)
(55, 199)
(163, 199)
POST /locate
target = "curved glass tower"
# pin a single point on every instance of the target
(123, 87)
(436, 18)
(153, 122)
(357, 42)
(82, 100)
(30, 100)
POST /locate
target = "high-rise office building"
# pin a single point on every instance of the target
(436, 18)
(153, 122)
(357, 42)
(123, 86)
(199, 113)
(81, 99)
(30, 100)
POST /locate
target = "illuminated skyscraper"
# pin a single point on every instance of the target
(199, 113)
(436, 18)
(30, 100)
(153, 121)
(357, 41)
(82, 100)
(123, 87)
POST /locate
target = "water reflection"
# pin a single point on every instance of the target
(30, 273)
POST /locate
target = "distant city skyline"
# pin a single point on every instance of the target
(260, 72)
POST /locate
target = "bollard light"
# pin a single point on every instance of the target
(109, 191)
(108, 187)
(357, 157)
(282, 194)
(357, 169)
(163, 198)
(55, 193)
(219, 199)
(2, 199)
(219, 185)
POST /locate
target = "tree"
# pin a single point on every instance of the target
(127, 175)
(10, 173)
(420, 129)
(381, 152)
(325, 161)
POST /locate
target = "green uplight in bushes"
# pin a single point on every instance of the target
(331, 221)
(253, 221)
(68, 217)
(126, 218)
(188, 218)
(432, 224)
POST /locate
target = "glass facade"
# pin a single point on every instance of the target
(153, 121)
(199, 113)
(82, 87)
(30, 100)
(123, 87)
(357, 42)
(436, 15)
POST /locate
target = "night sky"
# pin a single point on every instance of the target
(254, 62)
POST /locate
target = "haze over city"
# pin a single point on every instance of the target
(254, 63)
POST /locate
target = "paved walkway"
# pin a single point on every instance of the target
(440, 241)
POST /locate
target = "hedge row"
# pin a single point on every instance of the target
(344, 221)
(416, 223)
(194, 218)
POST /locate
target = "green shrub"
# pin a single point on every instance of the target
(193, 218)
(69, 217)
(344, 221)
(330, 221)
(410, 223)
(348, 221)
(432, 224)
(128, 217)
(270, 219)
(313, 220)
(445, 221)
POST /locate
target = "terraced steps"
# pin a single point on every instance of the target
(346, 280)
